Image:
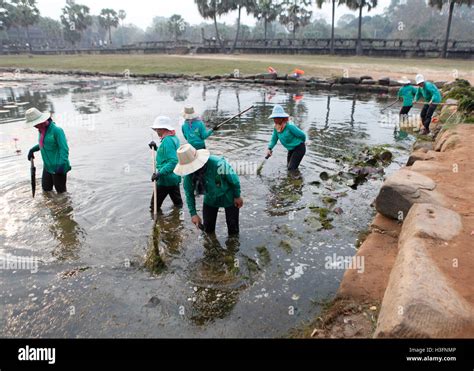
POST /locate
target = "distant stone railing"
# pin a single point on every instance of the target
(371, 47)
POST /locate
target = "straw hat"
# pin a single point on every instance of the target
(189, 113)
(163, 122)
(34, 117)
(190, 159)
(419, 79)
(278, 112)
(404, 81)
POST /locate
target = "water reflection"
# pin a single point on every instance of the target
(65, 230)
(218, 279)
(285, 193)
(165, 241)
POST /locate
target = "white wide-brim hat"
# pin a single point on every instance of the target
(163, 122)
(278, 112)
(189, 113)
(404, 81)
(34, 117)
(419, 79)
(190, 159)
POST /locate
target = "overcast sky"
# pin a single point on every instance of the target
(141, 12)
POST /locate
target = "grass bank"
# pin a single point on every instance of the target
(314, 65)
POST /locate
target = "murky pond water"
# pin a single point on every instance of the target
(92, 243)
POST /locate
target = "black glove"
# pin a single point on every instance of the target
(31, 154)
(155, 177)
(153, 145)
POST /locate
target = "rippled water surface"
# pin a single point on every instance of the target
(93, 244)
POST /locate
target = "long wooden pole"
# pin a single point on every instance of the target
(155, 200)
(233, 117)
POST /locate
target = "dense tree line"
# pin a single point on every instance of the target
(22, 23)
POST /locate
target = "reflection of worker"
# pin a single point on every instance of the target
(220, 183)
(167, 183)
(194, 130)
(432, 97)
(292, 138)
(54, 150)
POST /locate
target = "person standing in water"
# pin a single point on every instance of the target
(167, 182)
(432, 97)
(54, 150)
(220, 183)
(194, 130)
(292, 138)
(407, 92)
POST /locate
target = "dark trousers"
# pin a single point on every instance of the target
(161, 193)
(295, 156)
(405, 110)
(58, 181)
(426, 114)
(209, 214)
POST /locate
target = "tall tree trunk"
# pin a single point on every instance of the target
(238, 30)
(217, 34)
(359, 50)
(332, 25)
(265, 24)
(28, 38)
(110, 35)
(445, 47)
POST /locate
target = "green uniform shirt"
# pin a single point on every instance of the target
(166, 161)
(291, 137)
(221, 182)
(55, 152)
(408, 92)
(195, 133)
(429, 92)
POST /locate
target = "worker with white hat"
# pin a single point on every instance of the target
(54, 150)
(432, 97)
(407, 92)
(220, 183)
(292, 138)
(193, 128)
(167, 182)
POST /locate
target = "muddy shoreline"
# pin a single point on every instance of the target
(418, 269)
(365, 84)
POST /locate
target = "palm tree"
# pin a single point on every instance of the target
(122, 14)
(268, 11)
(359, 5)
(108, 18)
(230, 5)
(75, 19)
(176, 26)
(211, 9)
(6, 15)
(320, 3)
(25, 14)
(296, 15)
(439, 4)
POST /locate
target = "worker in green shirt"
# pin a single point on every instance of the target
(432, 97)
(167, 182)
(54, 150)
(292, 138)
(220, 183)
(194, 130)
(407, 92)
